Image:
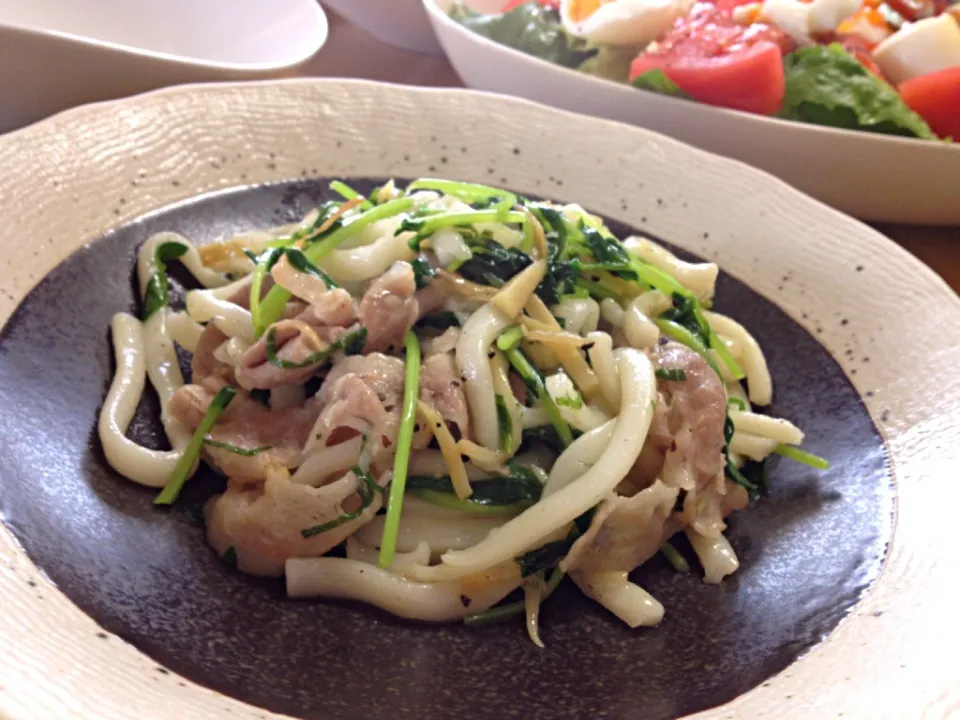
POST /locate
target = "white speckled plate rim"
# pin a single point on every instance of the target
(69, 178)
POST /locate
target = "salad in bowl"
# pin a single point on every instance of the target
(881, 66)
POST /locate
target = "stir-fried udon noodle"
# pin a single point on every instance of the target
(475, 393)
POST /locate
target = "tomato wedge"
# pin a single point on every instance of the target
(936, 98)
(721, 62)
(513, 4)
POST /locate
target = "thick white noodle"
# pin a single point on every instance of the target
(612, 312)
(601, 360)
(184, 331)
(584, 418)
(325, 461)
(400, 596)
(230, 352)
(231, 319)
(716, 555)
(361, 552)
(638, 389)
(442, 535)
(751, 357)
(163, 369)
(752, 446)
(699, 278)
(368, 261)
(142, 465)
(582, 315)
(627, 600)
(190, 260)
(475, 341)
(639, 330)
(222, 293)
(783, 431)
(582, 455)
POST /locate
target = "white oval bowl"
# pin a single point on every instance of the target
(60, 53)
(874, 177)
(401, 23)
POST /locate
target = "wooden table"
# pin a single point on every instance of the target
(351, 52)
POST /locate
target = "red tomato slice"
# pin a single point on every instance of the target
(718, 61)
(936, 98)
(552, 4)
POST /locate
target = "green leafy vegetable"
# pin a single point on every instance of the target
(656, 80)
(497, 495)
(425, 226)
(736, 404)
(352, 343)
(574, 401)
(348, 193)
(510, 338)
(368, 491)
(184, 466)
(157, 290)
(802, 456)
(439, 320)
(533, 380)
(544, 557)
(423, 272)
(509, 610)
(408, 418)
(470, 193)
(245, 452)
(828, 86)
(530, 28)
(230, 556)
(673, 556)
(492, 263)
(504, 424)
(671, 375)
(273, 304)
(732, 472)
(547, 435)
(612, 62)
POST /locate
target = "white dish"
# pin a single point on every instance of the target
(402, 23)
(59, 53)
(56, 662)
(874, 177)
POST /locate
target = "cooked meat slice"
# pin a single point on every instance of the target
(362, 394)
(264, 524)
(246, 424)
(442, 389)
(329, 319)
(389, 308)
(625, 532)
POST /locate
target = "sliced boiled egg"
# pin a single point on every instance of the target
(920, 48)
(868, 24)
(800, 20)
(826, 15)
(621, 22)
(790, 16)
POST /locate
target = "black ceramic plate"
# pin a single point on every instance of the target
(808, 549)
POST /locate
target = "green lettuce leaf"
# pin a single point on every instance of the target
(657, 81)
(828, 86)
(529, 28)
(611, 63)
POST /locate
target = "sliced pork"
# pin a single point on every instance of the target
(264, 525)
(389, 308)
(247, 425)
(326, 321)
